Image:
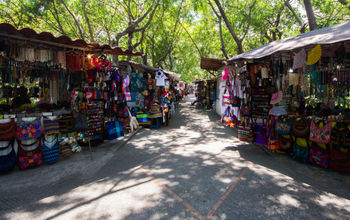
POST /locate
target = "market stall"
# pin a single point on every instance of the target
(56, 94)
(152, 93)
(292, 96)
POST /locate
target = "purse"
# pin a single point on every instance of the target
(320, 135)
(285, 143)
(29, 155)
(7, 130)
(51, 149)
(7, 157)
(300, 153)
(301, 128)
(340, 133)
(319, 156)
(28, 130)
(51, 126)
(245, 132)
(282, 125)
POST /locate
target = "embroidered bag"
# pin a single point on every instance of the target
(7, 130)
(7, 157)
(29, 155)
(340, 157)
(320, 135)
(285, 143)
(28, 130)
(301, 127)
(51, 149)
(340, 133)
(319, 156)
(245, 132)
(282, 126)
(65, 150)
(273, 142)
(300, 152)
(51, 126)
(245, 110)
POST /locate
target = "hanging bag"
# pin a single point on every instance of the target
(283, 125)
(319, 156)
(273, 141)
(301, 127)
(245, 132)
(301, 149)
(29, 155)
(7, 130)
(7, 157)
(260, 133)
(340, 157)
(235, 100)
(320, 135)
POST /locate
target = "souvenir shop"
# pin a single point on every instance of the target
(152, 93)
(57, 95)
(292, 96)
(205, 91)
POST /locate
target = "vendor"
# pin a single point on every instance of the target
(21, 99)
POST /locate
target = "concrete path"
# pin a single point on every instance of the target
(193, 169)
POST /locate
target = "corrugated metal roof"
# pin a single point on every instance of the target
(324, 36)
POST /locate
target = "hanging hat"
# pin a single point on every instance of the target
(314, 55)
(276, 97)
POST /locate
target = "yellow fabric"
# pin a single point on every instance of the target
(323, 146)
(314, 55)
(302, 142)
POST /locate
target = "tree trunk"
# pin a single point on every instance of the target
(310, 15)
(229, 26)
(222, 40)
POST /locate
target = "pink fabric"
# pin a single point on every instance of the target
(225, 76)
(320, 135)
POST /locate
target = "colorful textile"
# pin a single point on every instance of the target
(51, 126)
(245, 133)
(7, 157)
(7, 130)
(300, 153)
(319, 156)
(51, 149)
(320, 135)
(65, 151)
(28, 130)
(29, 155)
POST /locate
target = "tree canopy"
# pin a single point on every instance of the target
(174, 34)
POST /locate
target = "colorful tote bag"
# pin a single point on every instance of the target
(51, 126)
(301, 151)
(29, 155)
(7, 130)
(7, 157)
(51, 149)
(283, 125)
(65, 150)
(245, 132)
(320, 135)
(319, 156)
(28, 130)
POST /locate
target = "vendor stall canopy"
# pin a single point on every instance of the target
(146, 68)
(325, 36)
(211, 64)
(8, 32)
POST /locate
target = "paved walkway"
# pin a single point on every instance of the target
(193, 169)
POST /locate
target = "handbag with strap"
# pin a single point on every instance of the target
(301, 151)
(29, 155)
(245, 132)
(28, 130)
(7, 130)
(320, 135)
(301, 127)
(340, 133)
(283, 125)
(7, 157)
(285, 143)
(319, 156)
(51, 149)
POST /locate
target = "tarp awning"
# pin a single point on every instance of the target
(324, 36)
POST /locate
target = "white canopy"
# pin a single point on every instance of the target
(328, 35)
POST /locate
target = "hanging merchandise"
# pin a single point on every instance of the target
(273, 141)
(318, 155)
(299, 59)
(7, 156)
(314, 55)
(283, 125)
(28, 129)
(51, 149)
(319, 134)
(51, 125)
(245, 132)
(29, 153)
(160, 78)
